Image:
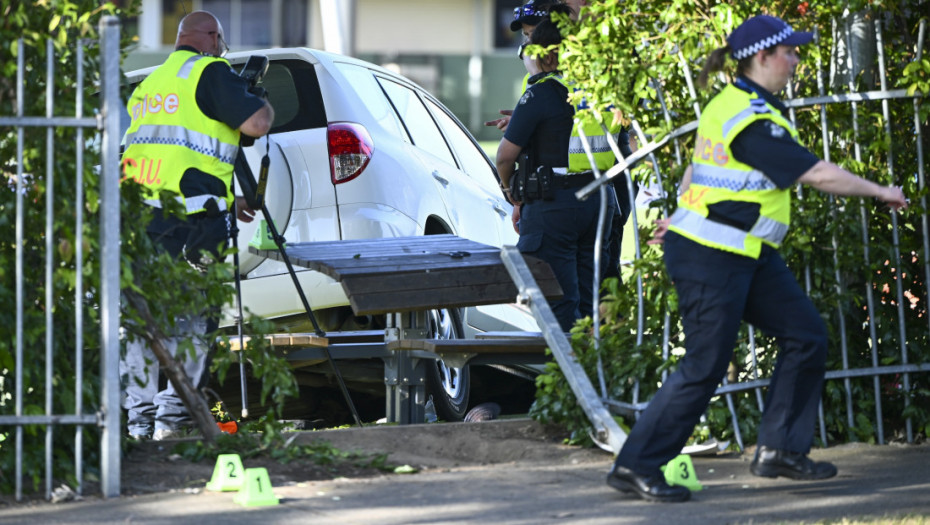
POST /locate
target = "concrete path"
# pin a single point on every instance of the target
(874, 482)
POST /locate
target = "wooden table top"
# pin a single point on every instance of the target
(397, 274)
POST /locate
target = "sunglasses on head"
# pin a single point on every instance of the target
(528, 10)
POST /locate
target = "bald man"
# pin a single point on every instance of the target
(187, 120)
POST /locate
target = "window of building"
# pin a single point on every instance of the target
(504, 38)
(247, 23)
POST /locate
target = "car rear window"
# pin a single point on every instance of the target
(294, 93)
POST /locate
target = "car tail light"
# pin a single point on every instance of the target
(350, 149)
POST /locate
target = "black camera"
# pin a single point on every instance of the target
(254, 69)
(253, 72)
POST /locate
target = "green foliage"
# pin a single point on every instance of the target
(278, 381)
(627, 360)
(637, 56)
(71, 24)
(251, 446)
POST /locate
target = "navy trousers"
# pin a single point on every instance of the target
(716, 291)
(562, 232)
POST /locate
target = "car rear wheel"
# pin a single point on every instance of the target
(448, 386)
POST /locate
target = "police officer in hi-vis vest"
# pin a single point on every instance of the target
(525, 19)
(721, 252)
(187, 118)
(553, 224)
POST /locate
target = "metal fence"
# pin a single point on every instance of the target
(862, 105)
(105, 124)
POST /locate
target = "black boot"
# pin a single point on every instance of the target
(771, 463)
(650, 488)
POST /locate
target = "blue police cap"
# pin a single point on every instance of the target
(531, 13)
(762, 32)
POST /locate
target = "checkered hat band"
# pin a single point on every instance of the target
(765, 43)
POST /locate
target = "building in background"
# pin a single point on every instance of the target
(462, 51)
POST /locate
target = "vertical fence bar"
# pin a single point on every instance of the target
(640, 308)
(49, 255)
(834, 242)
(755, 369)
(921, 176)
(20, 187)
(666, 114)
(598, 245)
(792, 117)
(864, 219)
(899, 275)
(79, 274)
(109, 267)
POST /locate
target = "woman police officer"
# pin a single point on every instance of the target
(553, 225)
(720, 251)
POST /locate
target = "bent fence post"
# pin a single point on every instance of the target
(607, 432)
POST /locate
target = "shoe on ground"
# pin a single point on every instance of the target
(162, 434)
(650, 488)
(771, 463)
(140, 437)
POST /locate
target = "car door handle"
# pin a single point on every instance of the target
(442, 180)
(498, 208)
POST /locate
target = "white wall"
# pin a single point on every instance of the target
(416, 26)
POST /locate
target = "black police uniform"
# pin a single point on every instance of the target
(560, 229)
(717, 290)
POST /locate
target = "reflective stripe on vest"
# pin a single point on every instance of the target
(188, 138)
(733, 238)
(731, 179)
(597, 139)
(169, 134)
(718, 177)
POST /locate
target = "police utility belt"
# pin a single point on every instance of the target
(542, 183)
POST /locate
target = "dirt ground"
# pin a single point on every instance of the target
(157, 467)
(150, 467)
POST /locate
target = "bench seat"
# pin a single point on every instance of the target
(459, 352)
(303, 349)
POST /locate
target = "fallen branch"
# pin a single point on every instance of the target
(195, 402)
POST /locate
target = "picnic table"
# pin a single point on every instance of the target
(406, 277)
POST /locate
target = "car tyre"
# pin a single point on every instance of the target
(448, 386)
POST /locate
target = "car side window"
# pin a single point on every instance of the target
(473, 160)
(426, 136)
(364, 83)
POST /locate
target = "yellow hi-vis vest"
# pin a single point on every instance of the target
(717, 177)
(169, 134)
(600, 146)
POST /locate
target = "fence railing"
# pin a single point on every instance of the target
(106, 125)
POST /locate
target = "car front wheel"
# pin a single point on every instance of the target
(448, 386)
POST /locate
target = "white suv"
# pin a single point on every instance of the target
(360, 152)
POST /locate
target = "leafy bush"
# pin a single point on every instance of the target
(71, 24)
